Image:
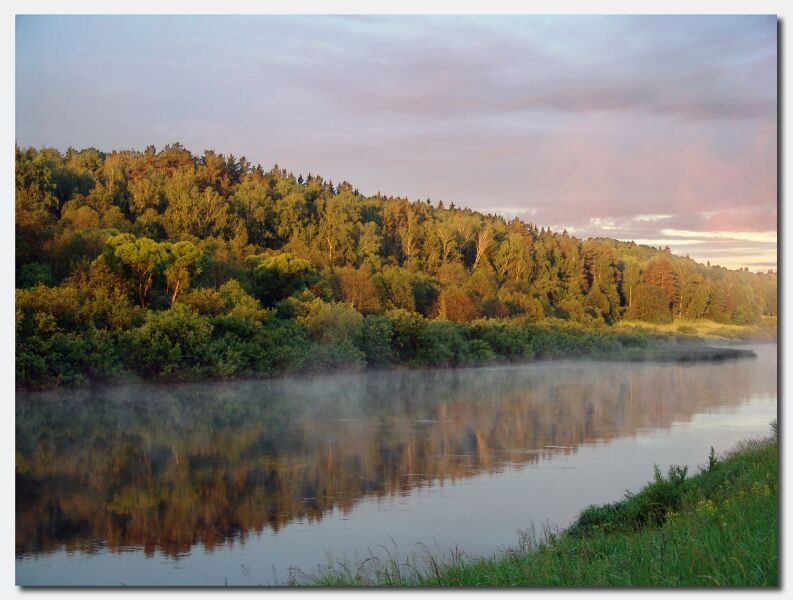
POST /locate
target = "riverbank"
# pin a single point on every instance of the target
(677, 353)
(181, 345)
(710, 331)
(716, 528)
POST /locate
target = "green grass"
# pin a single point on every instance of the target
(717, 528)
(676, 353)
(764, 331)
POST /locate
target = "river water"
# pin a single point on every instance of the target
(254, 482)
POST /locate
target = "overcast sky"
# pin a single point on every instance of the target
(660, 129)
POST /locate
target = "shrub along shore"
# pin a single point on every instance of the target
(716, 528)
(53, 346)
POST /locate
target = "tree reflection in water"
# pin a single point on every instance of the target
(167, 467)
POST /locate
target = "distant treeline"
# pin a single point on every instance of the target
(168, 264)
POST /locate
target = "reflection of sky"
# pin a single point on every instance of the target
(436, 519)
(660, 129)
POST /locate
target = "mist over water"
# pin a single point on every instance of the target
(236, 482)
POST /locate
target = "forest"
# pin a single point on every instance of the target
(166, 265)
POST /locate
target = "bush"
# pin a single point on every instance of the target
(326, 357)
(442, 344)
(67, 358)
(480, 353)
(332, 323)
(376, 341)
(504, 339)
(174, 343)
(407, 328)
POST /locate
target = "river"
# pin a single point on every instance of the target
(254, 482)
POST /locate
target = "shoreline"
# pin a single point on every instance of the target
(678, 530)
(690, 351)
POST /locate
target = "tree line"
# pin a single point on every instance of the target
(164, 263)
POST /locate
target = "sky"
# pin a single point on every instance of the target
(657, 129)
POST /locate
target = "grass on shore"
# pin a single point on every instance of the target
(717, 528)
(765, 331)
(677, 353)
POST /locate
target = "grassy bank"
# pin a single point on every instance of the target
(680, 353)
(716, 528)
(763, 331)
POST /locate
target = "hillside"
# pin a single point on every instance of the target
(166, 264)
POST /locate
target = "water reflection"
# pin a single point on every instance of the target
(168, 467)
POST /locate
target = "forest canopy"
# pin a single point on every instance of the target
(166, 264)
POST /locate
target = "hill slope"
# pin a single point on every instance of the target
(158, 257)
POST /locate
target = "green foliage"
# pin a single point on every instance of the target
(276, 277)
(376, 341)
(237, 302)
(136, 258)
(173, 342)
(205, 301)
(441, 344)
(35, 185)
(407, 328)
(336, 328)
(183, 261)
(34, 273)
(395, 287)
(650, 507)
(145, 243)
(332, 323)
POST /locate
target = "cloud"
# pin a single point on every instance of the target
(513, 211)
(748, 236)
(769, 264)
(722, 71)
(651, 218)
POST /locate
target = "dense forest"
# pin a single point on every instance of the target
(169, 265)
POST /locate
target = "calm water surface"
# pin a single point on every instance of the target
(244, 483)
